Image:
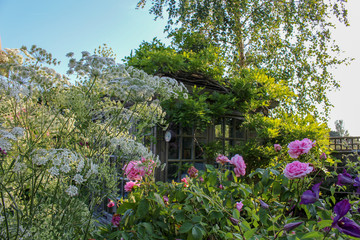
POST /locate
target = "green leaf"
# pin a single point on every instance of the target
(313, 235)
(250, 233)
(179, 215)
(143, 208)
(124, 207)
(159, 199)
(196, 232)
(148, 227)
(324, 223)
(187, 226)
(245, 225)
(196, 219)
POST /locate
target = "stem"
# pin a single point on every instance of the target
(5, 215)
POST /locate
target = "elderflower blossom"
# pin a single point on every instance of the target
(41, 157)
(93, 170)
(5, 144)
(19, 167)
(129, 147)
(65, 168)
(80, 166)
(7, 135)
(72, 191)
(54, 171)
(78, 178)
(18, 131)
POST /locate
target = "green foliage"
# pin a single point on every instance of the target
(186, 56)
(292, 39)
(283, 129)
(205, 206)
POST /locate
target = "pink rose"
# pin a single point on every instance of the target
(221, 186)
(110, 204)
(193, 172)
(166, 199)
(184, 180)
(201, 179)
(323, 156)
(222, 159)
(129, 186)
(239, 206)
(297, 169)
(277, 147)
(239, 164)
(148, 165)
(297, 148)
(134, 170)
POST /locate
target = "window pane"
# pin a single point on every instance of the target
(174, 148)
(199, 151)
(173, 168)
(187, 148)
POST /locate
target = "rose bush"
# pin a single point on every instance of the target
(219, 203)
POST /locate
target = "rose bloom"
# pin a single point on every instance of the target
(116, 220)
(110, 204)
(148, 165)
(184, 180)
(277, 147)
(134, 170)
(297, 148)
(297, 169)
(240, 165)
(129, 186)
(193, 172)
(222, 159)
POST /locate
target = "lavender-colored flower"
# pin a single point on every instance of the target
(263, 204)
(290, 226)
(344, 224)
(348, 227)
(234, 221)
(340, 209)
(116, 220)
(239, 206)
(323, 156)
(166, 199)
(344, 178)
(311, 196)
(357, 184)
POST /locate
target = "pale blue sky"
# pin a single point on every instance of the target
(77, 25)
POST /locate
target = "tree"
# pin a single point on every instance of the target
(291, 39)
(340, 129)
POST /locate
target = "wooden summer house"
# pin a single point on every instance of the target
(178, 146)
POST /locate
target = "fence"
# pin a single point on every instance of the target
(345, 144)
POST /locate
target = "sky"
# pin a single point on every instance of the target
(83, 25)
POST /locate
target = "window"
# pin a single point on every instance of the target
(186, 146)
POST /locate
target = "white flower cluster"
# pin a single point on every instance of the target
(66, 163)
(124, 82)
(72, 191)
(19, 167)
(130, 148)
(5, 136)
(26, 74)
